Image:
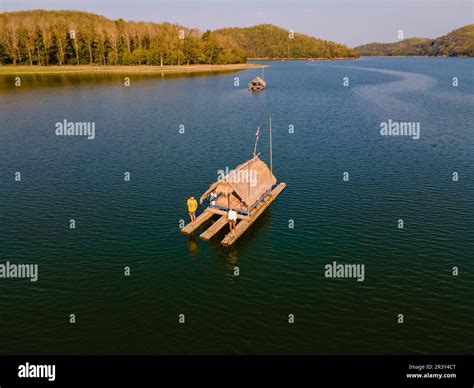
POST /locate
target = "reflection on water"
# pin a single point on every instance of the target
(193, 246)
(232, 256)
(231, 269)
(34, 81)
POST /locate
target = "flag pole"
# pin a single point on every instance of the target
(256, 140)
(257, 135)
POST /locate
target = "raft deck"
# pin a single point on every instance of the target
(214, 228)
(201, 219)
(243, 225)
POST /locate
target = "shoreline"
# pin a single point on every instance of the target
(144, 69)
(421, 56)
(301, 59)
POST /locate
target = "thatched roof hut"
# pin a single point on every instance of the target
(257, 84)
(243, 188)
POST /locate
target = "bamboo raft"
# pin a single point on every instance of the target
(248, 191)
(241, 227)
(256, 84)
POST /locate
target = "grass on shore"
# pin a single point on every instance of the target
(145, 69)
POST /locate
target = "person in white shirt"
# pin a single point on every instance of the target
(232, 218)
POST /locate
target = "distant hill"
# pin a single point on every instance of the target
(269, 41)
(459, 42)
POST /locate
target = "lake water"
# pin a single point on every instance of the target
(408, 271)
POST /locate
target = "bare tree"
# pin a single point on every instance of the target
(10, 37)
(88, 34)
(60, 38)
(46, 37)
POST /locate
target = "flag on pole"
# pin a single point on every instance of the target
(257, 135)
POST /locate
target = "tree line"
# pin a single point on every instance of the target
(73, 37)
(77, 38)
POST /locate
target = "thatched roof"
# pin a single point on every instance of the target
(247, 182)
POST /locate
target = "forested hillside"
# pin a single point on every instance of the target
(459, 42)
(268, 41)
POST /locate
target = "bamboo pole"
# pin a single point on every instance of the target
(248, 174)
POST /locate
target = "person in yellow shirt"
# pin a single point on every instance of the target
(192, 206)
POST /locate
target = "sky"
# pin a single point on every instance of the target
(352, 22)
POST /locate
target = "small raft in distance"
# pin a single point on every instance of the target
(257, 84)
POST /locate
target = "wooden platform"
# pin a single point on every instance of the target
(201, 219)
(214, 228)
(243, 225)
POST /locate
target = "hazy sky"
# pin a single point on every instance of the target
(352, 22)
